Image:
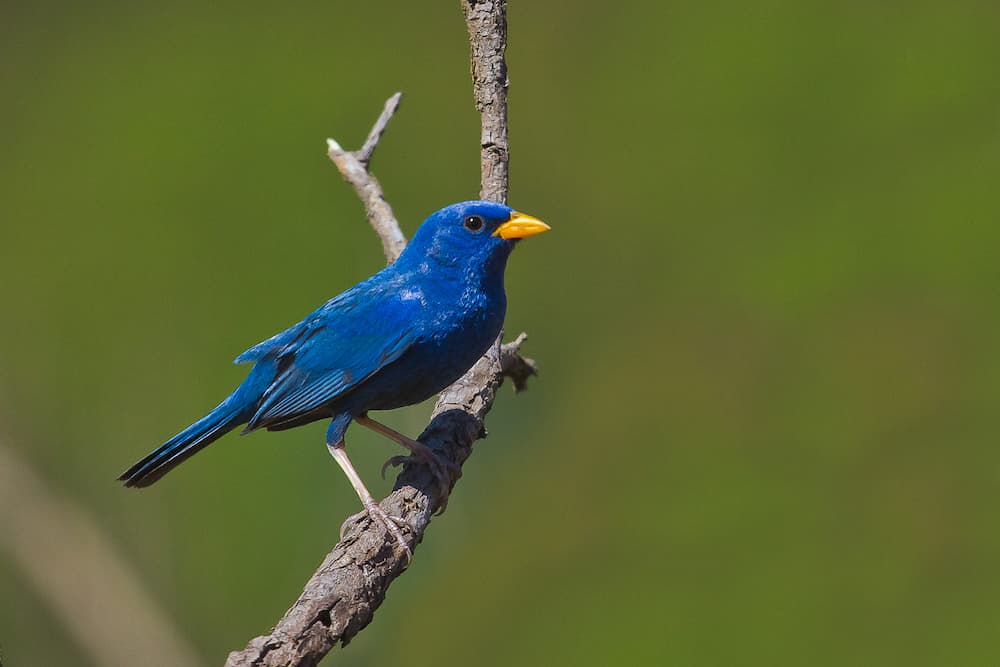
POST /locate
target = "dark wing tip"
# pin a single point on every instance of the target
(137, 476)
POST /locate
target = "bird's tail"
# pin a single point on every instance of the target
(227, 416)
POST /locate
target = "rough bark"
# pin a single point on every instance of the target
(341, 597)
(486, 21)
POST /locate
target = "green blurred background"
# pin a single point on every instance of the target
(767, 319)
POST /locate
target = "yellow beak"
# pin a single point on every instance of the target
(519, 226)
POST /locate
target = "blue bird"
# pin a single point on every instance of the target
(395, 339)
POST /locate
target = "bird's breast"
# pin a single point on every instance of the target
(446, 342)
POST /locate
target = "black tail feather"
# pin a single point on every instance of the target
(182, 446)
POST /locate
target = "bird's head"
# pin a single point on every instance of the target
(474, 235)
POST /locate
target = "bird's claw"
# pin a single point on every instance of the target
(393, 524)
(395, 462)
(444, 472)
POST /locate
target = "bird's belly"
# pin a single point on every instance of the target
(429, 366)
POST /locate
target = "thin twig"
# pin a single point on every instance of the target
(341, 597)
(354, 168)
(371, 143)
(516, 367)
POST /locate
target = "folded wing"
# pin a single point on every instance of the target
(329, 353)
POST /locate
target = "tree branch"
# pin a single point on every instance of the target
(353, 167)
(486, 21)
(341, 597)
(371, 143)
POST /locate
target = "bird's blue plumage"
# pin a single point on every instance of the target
(394, 339)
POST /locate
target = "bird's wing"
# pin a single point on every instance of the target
(285, 340)
(329, 353)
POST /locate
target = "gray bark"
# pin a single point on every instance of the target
(486, 21)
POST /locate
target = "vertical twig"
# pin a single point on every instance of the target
(486, 21)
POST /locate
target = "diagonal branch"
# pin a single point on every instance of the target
(378, 129)
(354, 168)
(341, 597)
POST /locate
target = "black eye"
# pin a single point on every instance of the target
(473, 223)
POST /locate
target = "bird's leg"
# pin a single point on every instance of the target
(444, 471)
(372, 508)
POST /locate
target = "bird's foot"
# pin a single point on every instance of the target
(444, 471)
(393, 524)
